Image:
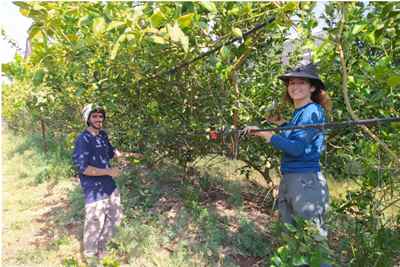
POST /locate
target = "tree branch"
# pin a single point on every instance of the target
(346, 93)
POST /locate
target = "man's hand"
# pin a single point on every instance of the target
(120, 154)
(136, 155)
(114, 172)
(93, 171)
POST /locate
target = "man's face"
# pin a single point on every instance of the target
(300, 89)
(96, 120)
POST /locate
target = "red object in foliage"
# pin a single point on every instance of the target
(213, 135)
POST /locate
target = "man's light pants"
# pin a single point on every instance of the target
(101, 219)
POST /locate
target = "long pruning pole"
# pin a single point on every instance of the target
(221, 134)
(215, 134)
(332, 124)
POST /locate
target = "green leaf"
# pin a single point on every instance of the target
(276, 260)
(185, 43)
(114, 51)
(116, 46)
(371, 37)
(380, 72)
(178, 36)
(72, 37)
(203, 25)
(281, 250)
(225, 52)
(358, 28)
(186, 20)
(211, 7)
(299, 261)
(290, 227)
(38, 7)
(237, 32)
(38, 77)
(290, 6)
(380, 26)
(157, 19)
(174, 33)
(394, 80)
(99, 25)
(115, 24)
(158, 40)
(351, 79)
(22, 4)
(80, 91)
(84, 21)
(234, 11)
(6, 68)
(24, 12)
(129, 37)
(33, 31)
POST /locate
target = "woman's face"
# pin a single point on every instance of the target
(300, 89)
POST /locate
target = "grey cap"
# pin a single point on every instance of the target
(307, 71)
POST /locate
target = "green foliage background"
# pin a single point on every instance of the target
(116, 53)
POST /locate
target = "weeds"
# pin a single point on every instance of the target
(300, 244)
(249, 240)
(133, 241)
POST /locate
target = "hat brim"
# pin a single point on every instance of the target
(316, 80)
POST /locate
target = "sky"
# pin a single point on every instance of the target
(15, 26)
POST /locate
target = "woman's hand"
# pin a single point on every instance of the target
(250, 130)
(275, 119)
(266, 135)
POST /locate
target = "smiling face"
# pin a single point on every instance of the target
(300, 90)
(96, 120)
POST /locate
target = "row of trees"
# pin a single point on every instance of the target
(118, 54)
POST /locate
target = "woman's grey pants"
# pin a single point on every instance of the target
(305, 195)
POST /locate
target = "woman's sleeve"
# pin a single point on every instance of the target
(292, 147)
(299, 139)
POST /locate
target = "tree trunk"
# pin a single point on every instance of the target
(235, 85)
(43, 127)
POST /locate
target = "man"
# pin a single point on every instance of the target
(92, 155)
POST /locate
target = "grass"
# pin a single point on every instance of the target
(216, 217)
(184, 225)
(168, 221)
(33, 232)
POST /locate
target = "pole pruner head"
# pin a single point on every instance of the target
(213, 134)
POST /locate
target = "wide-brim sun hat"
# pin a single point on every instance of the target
(308, 71)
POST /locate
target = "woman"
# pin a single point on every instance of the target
(303, 190)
